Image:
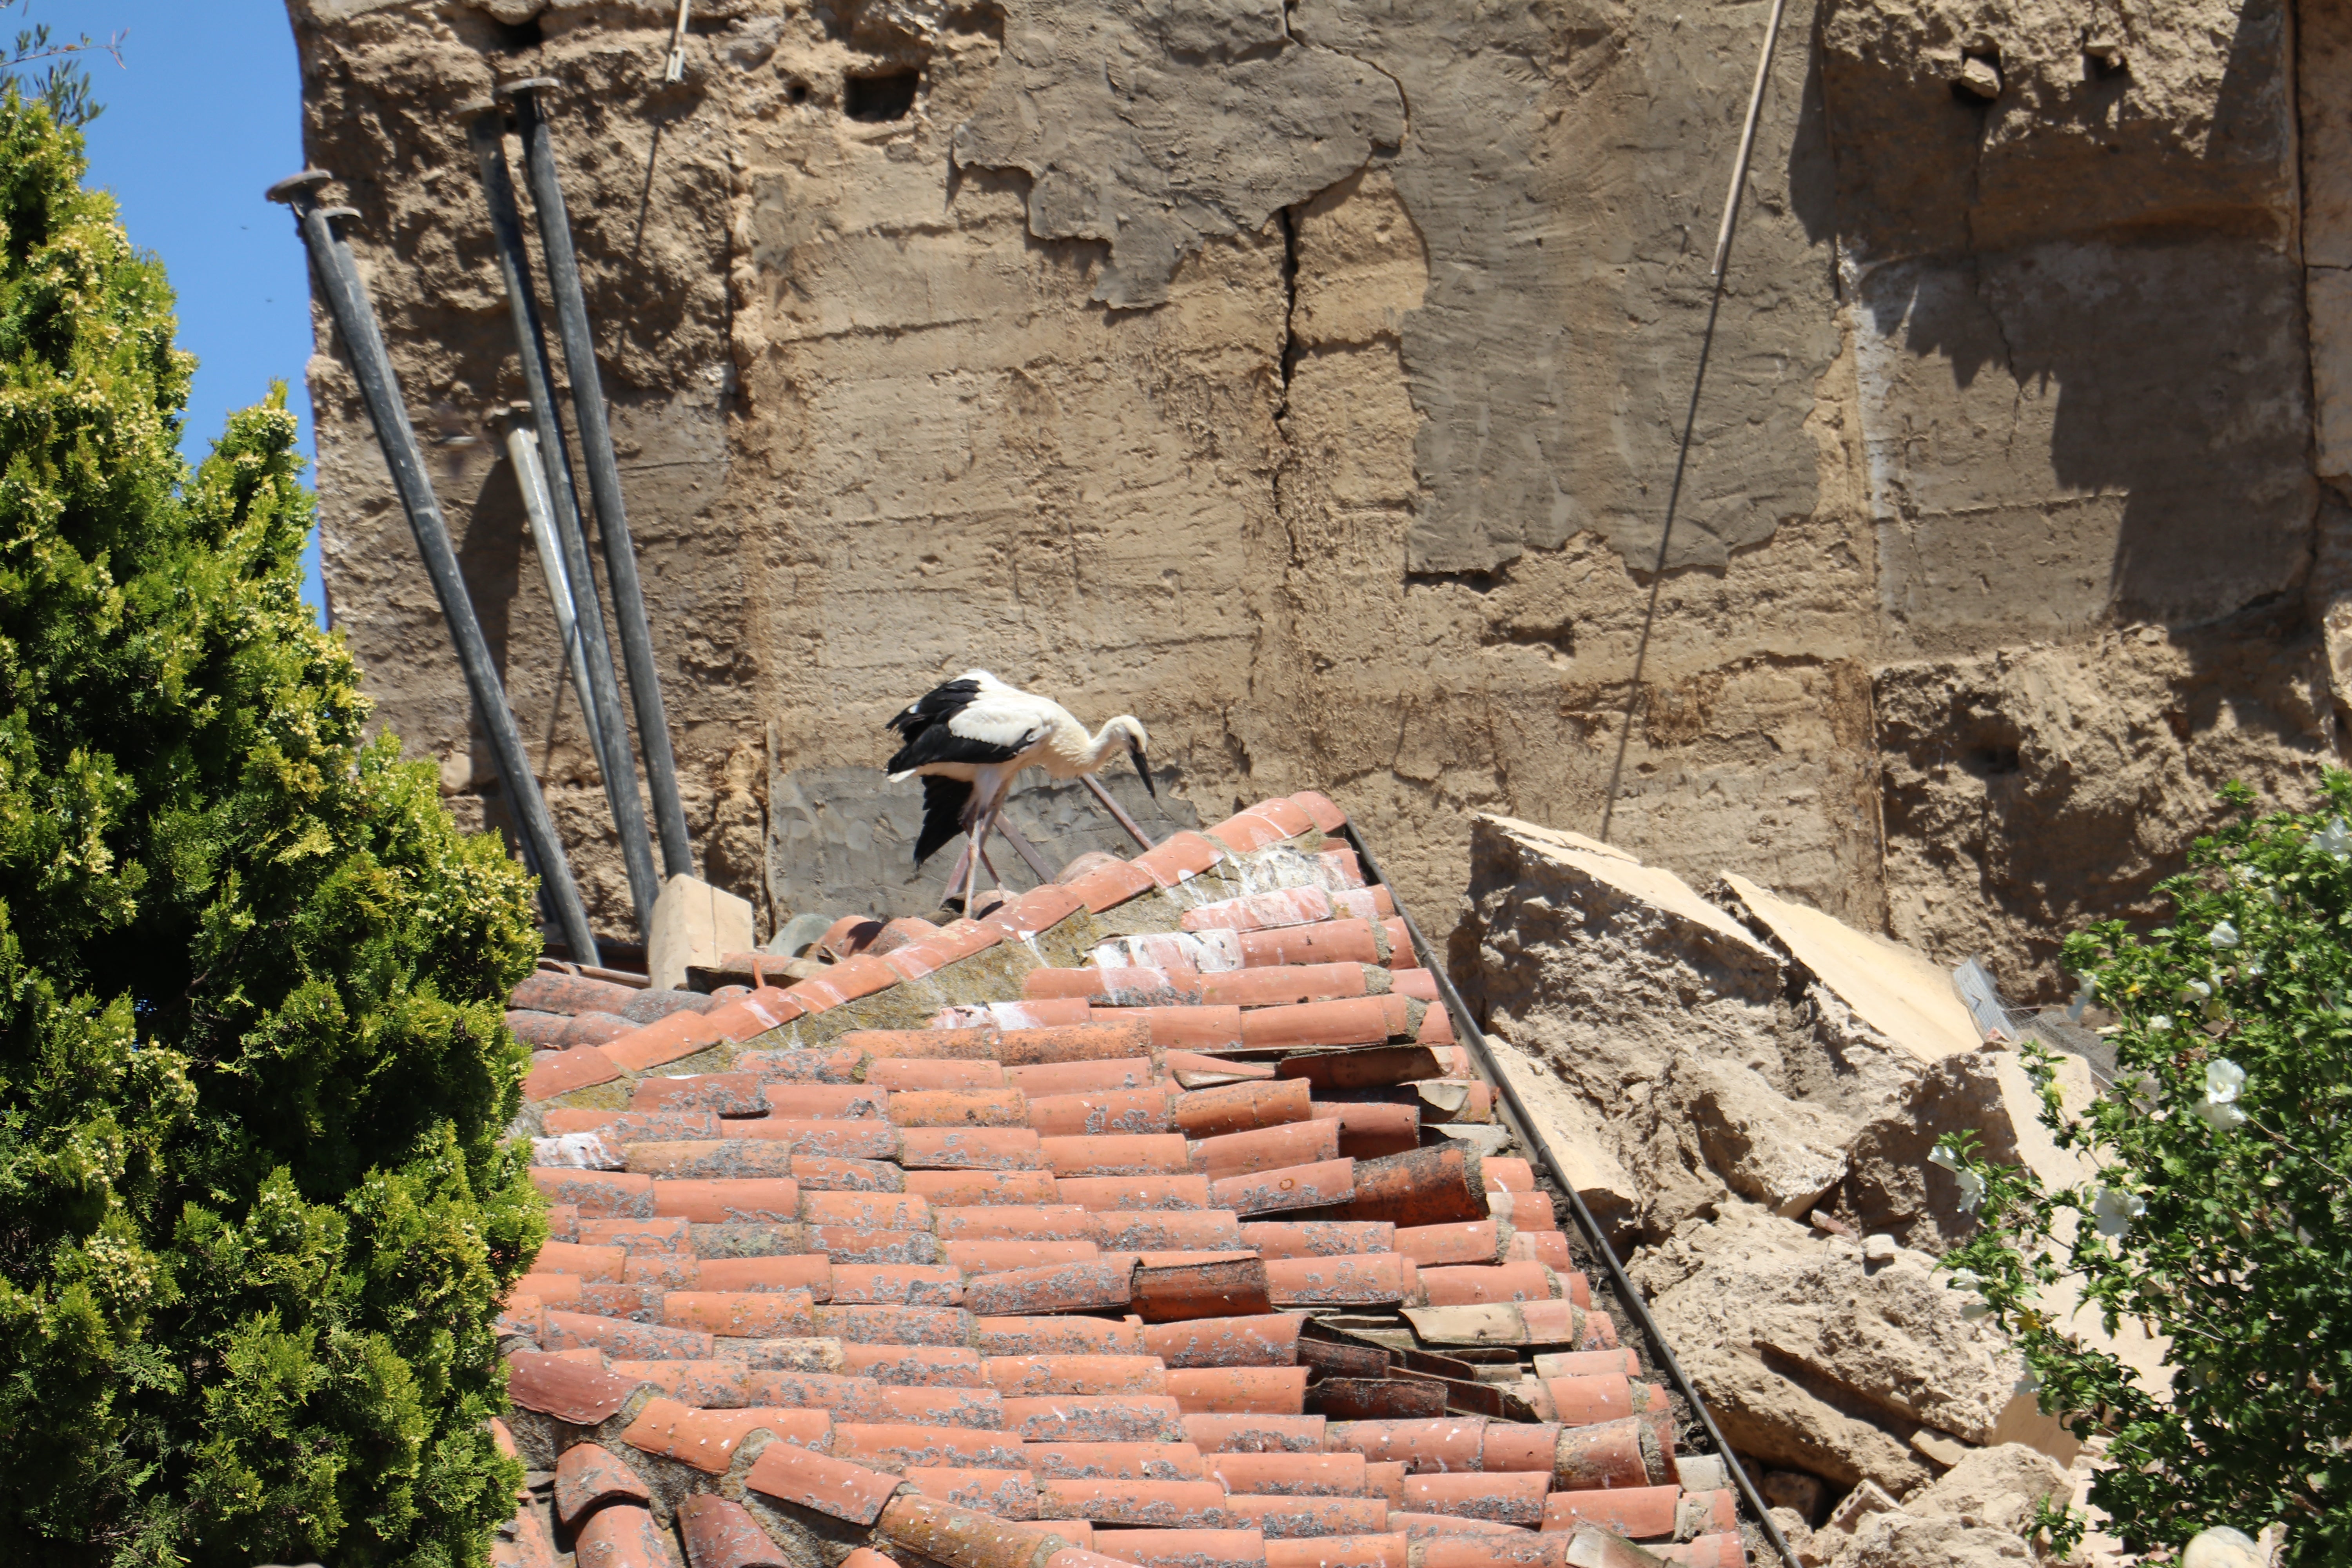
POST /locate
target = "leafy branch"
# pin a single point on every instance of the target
(64, 87)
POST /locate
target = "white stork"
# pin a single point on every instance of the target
(971, 736)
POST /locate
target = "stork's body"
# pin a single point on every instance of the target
(973, 736)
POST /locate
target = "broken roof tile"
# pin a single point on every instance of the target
(622, 1536)
(720, 1532)
(845, 1489)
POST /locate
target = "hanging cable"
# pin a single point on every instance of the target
(1690, 416)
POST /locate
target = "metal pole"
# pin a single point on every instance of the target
(1117, 811)
(603, 473)
(609, 729)
(1524, 1127)
(674, 69)
(355, 323)
(522, 452)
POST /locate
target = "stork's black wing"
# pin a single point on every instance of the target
(934, 734)
(937, 705)
(945, 802)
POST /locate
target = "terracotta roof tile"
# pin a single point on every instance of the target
(1266, 1149)
(725, 1200)
(839, 1064)
(1490, 1283)
(618, 1338)
(917, 1366)
(1533, 1211)
(895, 1325)
(1392, 1551)
(1265, 1339)
(606, 1194)
(720, 1093)
(1344, 940)
(1322, 1184)
(824, 1174)
(1243, 1107)
(1172, 1287)
(571, 1391)
(1273, 1239)
(1094, 1418)
(1232, 1390)
(1182, 1028)
(1115, 986)
(622, 1537)
(666, 1040)
(1104, 1192)
(897, 1285)
(1285, 1517)
(960, 1107)
(1029, 1376)
(720, 1532)
(827, 1101)
(971, 1189)
(1256, 1433)
(587, 1262)
(1368, 1130)
(1260, 912)
(1010, 1016)
(963, 1538)
(1203, 952)
(1003, 1256)
(865, 1244)
(981, 1409)
(1118, 1155)
(970, 1148)
(1179, 858)
(1014, 1222)
(901, 1073)
(1108, 887)
(875, 1211)
(1246, 832)
(1291, 984)
(1511, 1497)
(559, 1072)
(1038, 910)
(1077, 1460)
(1007, 1494)
(1102, 1113)
(741, 1314)
(1448, 1443)
(675, 1271)
(1087, 1285)
(714, 1158)
(894, 1445)
(1291, 1475)
(1192, 1070)
(1638, 1513)
(1186, 1548)
(1626, 1452)
(1427, 1186)
(1097, 1075)
(707, 1439)
(1168, 1230)
(844, 1489)
(1029, 1337)
(1166, 1505)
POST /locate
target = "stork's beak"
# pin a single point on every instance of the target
(1142, 771)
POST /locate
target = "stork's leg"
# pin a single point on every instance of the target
(972, 878)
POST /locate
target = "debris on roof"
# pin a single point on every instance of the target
(1154, 1218)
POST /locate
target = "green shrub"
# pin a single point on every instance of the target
(2220, 1215)
(255, 1206)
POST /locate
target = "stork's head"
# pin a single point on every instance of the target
(1131, 727)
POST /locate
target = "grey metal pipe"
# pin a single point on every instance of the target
(347, 301)
(530, 479)
(609, 733)
(603, 472)
(1523, 1125)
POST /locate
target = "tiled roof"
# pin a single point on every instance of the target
(1121, 1226)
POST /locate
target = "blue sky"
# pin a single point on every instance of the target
(205, 112)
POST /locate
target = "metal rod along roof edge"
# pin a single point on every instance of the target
(1466, 1029)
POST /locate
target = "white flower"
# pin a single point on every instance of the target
(2159, 1024)
(2083, 995)
(2113, 1211)
(2197, 989)
(1965, 1280)
(1973, 1187)
(2334, 839)
(2251, 969)
(2029, 1383)
(2223, 934)
(2223, 1079)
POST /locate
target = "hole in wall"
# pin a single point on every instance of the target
(880, 97)
(516, 36)
(796, 92)
(1987, 762)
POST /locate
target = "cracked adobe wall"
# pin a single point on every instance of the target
(1309, 379)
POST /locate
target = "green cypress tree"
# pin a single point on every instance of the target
(255, 1204)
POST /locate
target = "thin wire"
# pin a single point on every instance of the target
(1690, 418)
(1658, 573)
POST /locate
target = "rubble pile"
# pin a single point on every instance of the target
(1747, 1092)
(1156, 1217)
